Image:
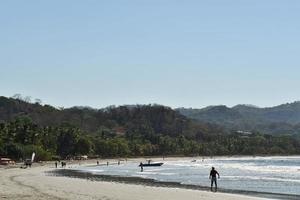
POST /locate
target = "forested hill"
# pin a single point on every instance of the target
(282, 119)
(155, 119)
(136, 130)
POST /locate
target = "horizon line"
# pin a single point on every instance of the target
(28, 99)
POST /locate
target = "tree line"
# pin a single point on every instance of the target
(132, 130)
(21, 137)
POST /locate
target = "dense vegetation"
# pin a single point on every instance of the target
(140, 130)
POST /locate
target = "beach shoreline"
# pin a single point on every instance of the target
(73, 173)
(36, 183)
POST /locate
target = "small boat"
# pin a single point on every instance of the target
(151, 164)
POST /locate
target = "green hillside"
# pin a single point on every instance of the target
(135, 130)
(283, 119)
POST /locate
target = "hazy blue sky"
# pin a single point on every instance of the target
(176, 53)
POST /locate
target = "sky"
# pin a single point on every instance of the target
(191, 53)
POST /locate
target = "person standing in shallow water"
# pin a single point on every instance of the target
(213, 177)
(141, 165)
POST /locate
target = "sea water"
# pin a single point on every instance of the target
(279, 175)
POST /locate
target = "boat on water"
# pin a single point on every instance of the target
(151, 164)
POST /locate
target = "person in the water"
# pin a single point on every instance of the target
(213, 177)
(142, 168)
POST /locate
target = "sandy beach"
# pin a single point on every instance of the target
(34, 183)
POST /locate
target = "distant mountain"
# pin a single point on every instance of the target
(282, 119)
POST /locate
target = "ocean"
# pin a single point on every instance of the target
(278, 175)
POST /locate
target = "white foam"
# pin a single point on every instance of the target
(260, 178)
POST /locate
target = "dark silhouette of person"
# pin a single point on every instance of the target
(55, 164)
(63, 164)
(97, 162)
(213, 177)
(142, 168)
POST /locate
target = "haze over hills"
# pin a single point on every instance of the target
(282, 119)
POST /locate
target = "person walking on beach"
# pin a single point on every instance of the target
(213, 177)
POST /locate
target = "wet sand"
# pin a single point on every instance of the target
(35, 183)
